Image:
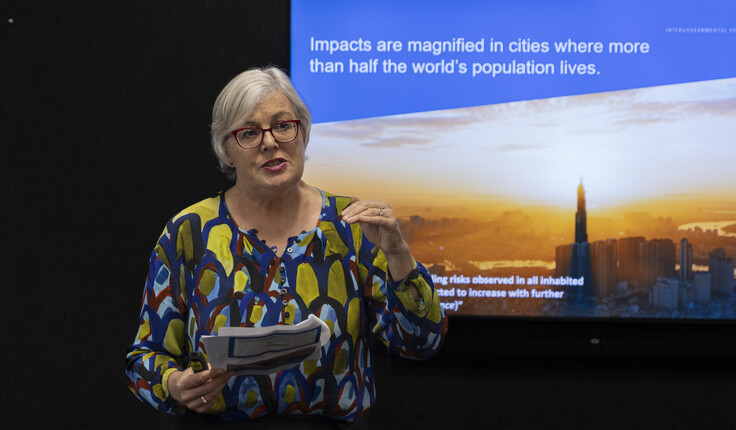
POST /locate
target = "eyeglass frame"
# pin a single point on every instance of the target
(270, 130)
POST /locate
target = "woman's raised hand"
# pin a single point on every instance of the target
(381, 227)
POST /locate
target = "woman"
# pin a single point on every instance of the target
(273, 250)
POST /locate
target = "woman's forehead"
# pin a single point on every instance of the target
(275, 101)
(271, 106)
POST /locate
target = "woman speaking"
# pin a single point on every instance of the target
(273, 250)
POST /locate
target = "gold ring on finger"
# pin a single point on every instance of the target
(204, 401)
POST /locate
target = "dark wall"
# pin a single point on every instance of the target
(104, 131)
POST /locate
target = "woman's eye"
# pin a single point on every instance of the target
(282, 126)
(250, 134)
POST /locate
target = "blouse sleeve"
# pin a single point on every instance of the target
(159, 346)
(409, 328)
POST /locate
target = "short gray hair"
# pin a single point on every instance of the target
(238, 100)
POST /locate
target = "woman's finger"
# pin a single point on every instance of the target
(203, 385)
(190, 379)
(208, 400)
(365, 210)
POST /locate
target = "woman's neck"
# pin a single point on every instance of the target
(276, 217)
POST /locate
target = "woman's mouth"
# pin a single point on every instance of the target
(274, 165)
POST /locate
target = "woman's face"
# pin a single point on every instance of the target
(271, 167)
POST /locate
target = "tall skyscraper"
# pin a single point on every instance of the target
(580, 259)
(581, 216)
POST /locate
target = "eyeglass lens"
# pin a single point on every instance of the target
(282, 132)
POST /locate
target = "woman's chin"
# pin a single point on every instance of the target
(279, 183)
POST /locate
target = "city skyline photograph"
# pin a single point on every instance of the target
(489, 192)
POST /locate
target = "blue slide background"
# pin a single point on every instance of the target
(689, 41)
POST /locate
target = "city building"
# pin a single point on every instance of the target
(721, 272)
(686, 260)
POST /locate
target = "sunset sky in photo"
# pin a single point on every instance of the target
(627, 146)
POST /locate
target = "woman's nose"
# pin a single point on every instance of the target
(269, 142)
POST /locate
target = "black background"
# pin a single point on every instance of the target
(104, 131)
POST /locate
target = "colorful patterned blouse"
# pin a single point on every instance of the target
(206, 273)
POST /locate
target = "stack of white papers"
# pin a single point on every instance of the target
(264, 350)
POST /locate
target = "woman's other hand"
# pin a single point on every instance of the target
(197, 391)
